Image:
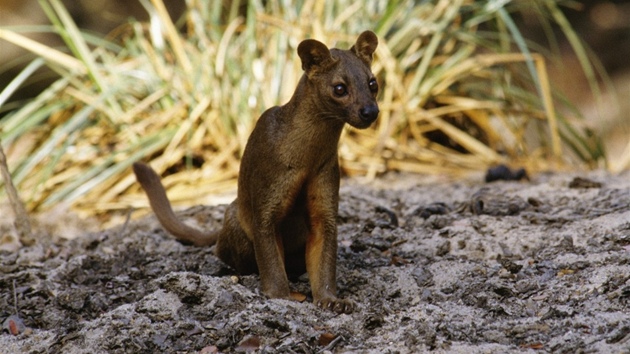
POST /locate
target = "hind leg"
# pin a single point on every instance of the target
(233, 246)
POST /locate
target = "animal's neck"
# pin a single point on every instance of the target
(315, 130)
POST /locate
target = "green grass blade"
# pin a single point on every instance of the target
(73, 124)
(19, 79)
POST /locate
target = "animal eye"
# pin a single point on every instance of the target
(373, 85)
(340, 90)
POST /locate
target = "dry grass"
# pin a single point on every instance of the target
(461, 91)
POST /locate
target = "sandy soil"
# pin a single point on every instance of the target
(453, 267)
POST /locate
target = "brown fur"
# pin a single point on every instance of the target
(284, 218)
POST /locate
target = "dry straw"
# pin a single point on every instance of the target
(461, 90)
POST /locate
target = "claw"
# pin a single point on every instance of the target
(336, 305)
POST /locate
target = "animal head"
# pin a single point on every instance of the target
(346, 88)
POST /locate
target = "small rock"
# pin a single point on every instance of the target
(443, 249)
(504, 173)
(580, 182)
(248, 344)
(14, 325)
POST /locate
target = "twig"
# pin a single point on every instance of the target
(332, 344)
(15, 299)
(22, 223)
(123, 229)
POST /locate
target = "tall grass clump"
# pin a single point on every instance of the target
(462, 90)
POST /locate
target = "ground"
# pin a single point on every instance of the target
(446, 266)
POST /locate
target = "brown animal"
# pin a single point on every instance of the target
(284, 218)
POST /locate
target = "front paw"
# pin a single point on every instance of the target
(335, 304)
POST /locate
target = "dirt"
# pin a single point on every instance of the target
(452, 267)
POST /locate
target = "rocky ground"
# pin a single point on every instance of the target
(451, 267)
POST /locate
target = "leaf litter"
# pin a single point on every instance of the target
(538, 266)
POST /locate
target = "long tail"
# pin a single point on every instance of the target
(150, 182)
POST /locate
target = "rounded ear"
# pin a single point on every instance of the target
(365, 46)
(313, 54)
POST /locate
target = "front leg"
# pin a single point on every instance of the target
(321, 242)
(262, 218)
(270, 259)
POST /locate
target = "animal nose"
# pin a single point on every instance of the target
(369, 113)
